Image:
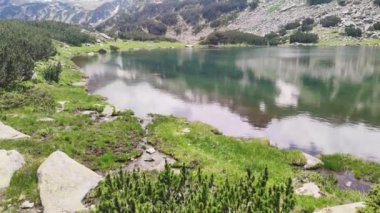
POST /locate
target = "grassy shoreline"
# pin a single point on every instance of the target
(106, 146)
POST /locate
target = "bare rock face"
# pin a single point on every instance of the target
(7, 133)
(347, 208)
(63, 183)
(312, 162)
(10, 161)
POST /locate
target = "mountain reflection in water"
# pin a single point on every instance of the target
(320, 100)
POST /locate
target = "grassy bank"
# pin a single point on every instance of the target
(198, 145)
(101, 146)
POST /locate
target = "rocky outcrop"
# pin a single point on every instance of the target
(10, 161)
(271, 16)
(7, 133)
(63, 183)
(347, 208)
(312, 162)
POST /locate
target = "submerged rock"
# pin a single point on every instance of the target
(7, 133)
(312, 162)
(347, 208)
(10, 161)
(309, 189)
(63, 183)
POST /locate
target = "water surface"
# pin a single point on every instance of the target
(320, 100)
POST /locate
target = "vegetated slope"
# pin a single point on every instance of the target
(22, 43)
(194, 19)
(191, 20)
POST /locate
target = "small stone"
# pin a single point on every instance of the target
(46, 119)
(151, 150)
(185, 131)
(309, 189)
(348, 184)
(27, 205)
(149, 160)
(108, 111)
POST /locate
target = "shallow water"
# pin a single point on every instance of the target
(320, 100)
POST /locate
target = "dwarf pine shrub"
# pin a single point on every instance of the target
(192, 192)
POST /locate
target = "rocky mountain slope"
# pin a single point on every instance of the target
(75, 12)
(274, 14)
(191, 20)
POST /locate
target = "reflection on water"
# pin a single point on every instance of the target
(320, 100)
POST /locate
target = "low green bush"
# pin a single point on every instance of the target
(292, 25)
(52, 72)
(114, 48)
(376, 26)
(169, 19)
(300, 37)
(372, 201)
(155, 27)
(315, 2)
(254, 4)
(142, 36)
(233, 37)
(192, 192)
(330, 21)
(342, 2)
(353, 31)
(307, 24)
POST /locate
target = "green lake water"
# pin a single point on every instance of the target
(320, 100)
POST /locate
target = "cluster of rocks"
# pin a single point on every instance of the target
(62, 182)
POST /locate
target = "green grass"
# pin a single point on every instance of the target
(217, 153)
(227, 156)
(369, 171)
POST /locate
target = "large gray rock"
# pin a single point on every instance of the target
(10, 161)
(63, 183)
(7, 132)
(347, 208)
(312, 162)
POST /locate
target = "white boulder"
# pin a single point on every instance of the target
(309, 189)
(312, 162)
(108, 111)
(7, 132)
(10, 161)
(63, 183)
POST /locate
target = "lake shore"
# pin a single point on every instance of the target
(104, 146)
